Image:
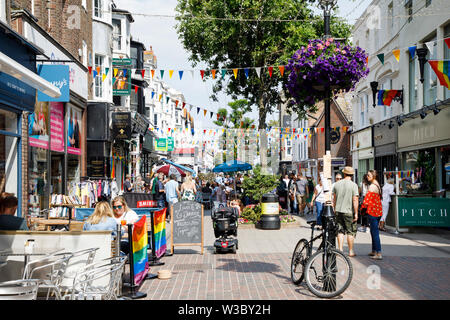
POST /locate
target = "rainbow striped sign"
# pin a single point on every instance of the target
(140, 246)
(159, 228)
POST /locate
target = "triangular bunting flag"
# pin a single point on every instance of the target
(143, 72)
(176, 103)
(153, 93)
(281, 68)
(153, 73)
(246, 72)
(204, 112)
(162, 74)
(180, 73)
(136, 89)
(103, 77)
(106, 71)
(213, 72)
(184, 104)
(224, 71)
(270, 71)
(98, 70)
(235, 71)
(381, 57)
(396, 54)
(167, 100)
(447, 41)
(430, 46)
(198, 110)
(211, 114)
(412, 51)
(202, 73)
(258, 72)
(90, 69)
(95, 73)
(170, 74)
(160, 97)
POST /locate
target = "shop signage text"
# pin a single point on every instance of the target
(58, 75)
(424, 212)
(121, 125)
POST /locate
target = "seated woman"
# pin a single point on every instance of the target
(101, 219)
(236, 203)
(123, 213)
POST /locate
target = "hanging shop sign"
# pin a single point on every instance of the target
(170, 144)
(161, 144)
(121, 77)
(140, 124)
(57, 75)
(97, 167)
(335, 136)
(121, 125)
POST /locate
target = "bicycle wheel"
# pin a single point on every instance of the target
(299, 259)
(328, 274)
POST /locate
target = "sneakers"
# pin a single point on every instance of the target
(363, 229)
(377, 257)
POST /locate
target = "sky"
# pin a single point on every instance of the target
(159, 32)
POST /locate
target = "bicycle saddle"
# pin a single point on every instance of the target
(312, 223)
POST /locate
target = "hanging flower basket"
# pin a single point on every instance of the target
(321, 65)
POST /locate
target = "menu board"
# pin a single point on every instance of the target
(187, 224)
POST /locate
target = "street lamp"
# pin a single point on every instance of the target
(374, 86)
(422, 56)
(327, 6)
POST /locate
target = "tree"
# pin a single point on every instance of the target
(249, 33)
(236, 118)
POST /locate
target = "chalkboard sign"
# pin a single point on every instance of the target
(187, 224)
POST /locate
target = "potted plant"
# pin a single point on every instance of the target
(324, 65)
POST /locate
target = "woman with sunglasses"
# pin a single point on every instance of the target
(123, 213)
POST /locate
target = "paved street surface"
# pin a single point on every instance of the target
(415, 266)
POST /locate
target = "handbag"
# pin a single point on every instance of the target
(291, 197)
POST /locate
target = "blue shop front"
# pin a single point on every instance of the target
(18, 84)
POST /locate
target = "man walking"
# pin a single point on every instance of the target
(345, 203)
(127, 185)
(172, 192)
(301, 194)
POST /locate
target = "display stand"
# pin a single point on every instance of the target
(71, 206)
(134, 294)
(153, 260)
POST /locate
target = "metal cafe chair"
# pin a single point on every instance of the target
(19, 289)
(79, 260)
(98, 281)
(50, 270)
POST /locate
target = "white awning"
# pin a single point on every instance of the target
(16, 70)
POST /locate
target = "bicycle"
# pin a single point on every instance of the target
(328, 272)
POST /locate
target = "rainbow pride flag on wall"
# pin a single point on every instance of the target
(441, 68)
(140, 247)
(159, 228)
(385, 97)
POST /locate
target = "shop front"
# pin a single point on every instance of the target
(121, 134)
(423, 189)
(385, 144)
(363, 152)
(18, 83)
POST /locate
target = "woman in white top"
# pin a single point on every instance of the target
(388, 191)
(188, 189)
(319, 199)
(123, 213)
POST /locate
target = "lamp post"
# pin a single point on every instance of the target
(422, 56)
(374, 86)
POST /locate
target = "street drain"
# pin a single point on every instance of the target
(192, 266)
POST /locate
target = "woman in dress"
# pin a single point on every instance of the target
(372, 203)
(188, 189)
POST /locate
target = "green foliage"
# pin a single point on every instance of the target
(259, 184)
(249, 33)
(252, 213)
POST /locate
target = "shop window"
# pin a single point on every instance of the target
(98, 79)
(98, 8)
(37, 180)
(117, 34)
(9, 153)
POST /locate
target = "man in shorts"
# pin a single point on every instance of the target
(345, 203)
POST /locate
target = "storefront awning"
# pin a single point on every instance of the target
(16, 70)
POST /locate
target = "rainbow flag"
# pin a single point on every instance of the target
(140, 246)
(385, 97)
(442, 70)
(159, 228)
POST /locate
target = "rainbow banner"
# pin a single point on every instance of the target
(442, 70)
(140, 247)
(385, 97)
(159, 229)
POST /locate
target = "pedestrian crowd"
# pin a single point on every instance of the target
(366, 205)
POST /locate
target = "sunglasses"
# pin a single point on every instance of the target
(117, 207)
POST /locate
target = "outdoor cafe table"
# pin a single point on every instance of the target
(48, 223)
(27, 255)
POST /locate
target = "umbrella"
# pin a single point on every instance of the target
(180, 166)
(169, 169)
(232, 166)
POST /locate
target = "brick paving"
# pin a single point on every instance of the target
(267, 277)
